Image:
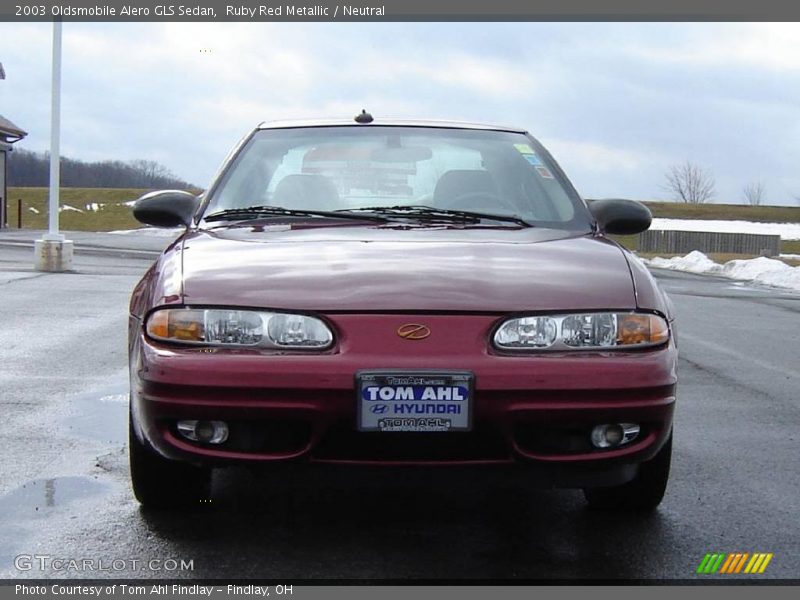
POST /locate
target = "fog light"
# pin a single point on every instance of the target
(207, 432)
(612, 435)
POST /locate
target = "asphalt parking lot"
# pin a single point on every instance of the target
(64, 492)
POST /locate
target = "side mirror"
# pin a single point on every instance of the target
(167, 208)
(621, 217)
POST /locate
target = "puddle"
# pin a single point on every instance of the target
(41, 496)
(28, 509)
(42, 509)
(101, 415)
(115, 398)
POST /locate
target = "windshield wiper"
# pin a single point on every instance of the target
(257, 212)
(435, 214)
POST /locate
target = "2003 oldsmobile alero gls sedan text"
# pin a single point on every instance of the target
(399, 294)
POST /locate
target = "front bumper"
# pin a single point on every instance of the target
(535, 410)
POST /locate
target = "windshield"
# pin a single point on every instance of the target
(368, 167)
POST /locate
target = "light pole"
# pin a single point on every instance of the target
(53, 252)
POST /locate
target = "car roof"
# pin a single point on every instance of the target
(289, 124)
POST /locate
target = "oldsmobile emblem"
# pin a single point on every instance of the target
(413, 331)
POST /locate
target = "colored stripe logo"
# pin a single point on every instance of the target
(737, 562)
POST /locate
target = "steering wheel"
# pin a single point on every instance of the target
(478, 201)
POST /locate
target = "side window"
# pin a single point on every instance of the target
(291, 164)
(247, 185)
(455, 158)
(446, 157)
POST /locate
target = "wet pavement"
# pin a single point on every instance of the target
(64, 490)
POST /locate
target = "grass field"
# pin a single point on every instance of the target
(99, 209)
(725, 212)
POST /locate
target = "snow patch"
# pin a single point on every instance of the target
(694, 262)
(64, 207)
(787, 231)
(762, 270)
(151, 231)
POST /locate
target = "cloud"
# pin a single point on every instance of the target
(459, 72)
(594, 156)
(772, 46)
(617, 103)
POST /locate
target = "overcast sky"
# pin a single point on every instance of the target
(615, 103)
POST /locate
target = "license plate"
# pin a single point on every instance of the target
(418, 401)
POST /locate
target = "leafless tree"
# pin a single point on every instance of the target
(690, 183)
(754, 193)
(32, 169)
(149, 169)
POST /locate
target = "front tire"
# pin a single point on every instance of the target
(162, 483)
(644, 492)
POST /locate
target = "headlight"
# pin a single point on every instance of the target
(582, 332)
(244, 328)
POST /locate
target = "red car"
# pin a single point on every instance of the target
(399, 294)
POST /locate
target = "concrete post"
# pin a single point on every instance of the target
(53, 255)
(53, 252)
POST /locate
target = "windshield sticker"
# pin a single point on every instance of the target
(524, 149)
(544, 172)
(533, 159)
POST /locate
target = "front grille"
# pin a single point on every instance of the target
(344, 443)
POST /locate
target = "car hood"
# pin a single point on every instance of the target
(379, 268)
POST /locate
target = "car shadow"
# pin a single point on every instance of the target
(407, 524)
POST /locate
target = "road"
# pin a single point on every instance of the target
(64, 491)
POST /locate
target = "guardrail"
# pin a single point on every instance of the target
(682, 242)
